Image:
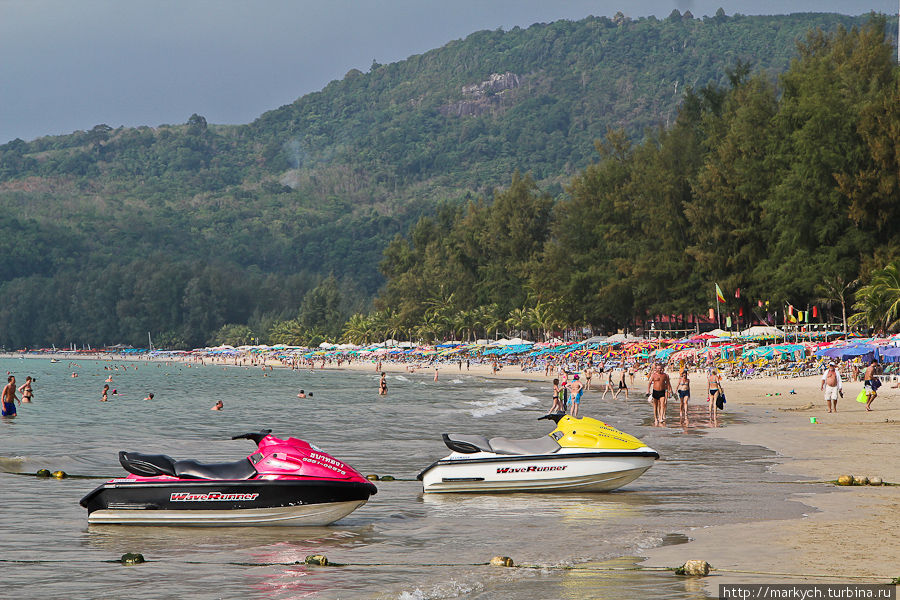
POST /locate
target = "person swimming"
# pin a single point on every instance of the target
(218, 406)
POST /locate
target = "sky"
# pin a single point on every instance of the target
(67, 65)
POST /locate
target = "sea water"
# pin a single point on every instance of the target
(402, 544)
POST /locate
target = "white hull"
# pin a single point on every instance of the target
(307, 515)
(558, 472)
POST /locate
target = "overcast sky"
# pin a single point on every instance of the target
(72, 64)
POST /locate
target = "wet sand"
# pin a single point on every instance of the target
(847, 535)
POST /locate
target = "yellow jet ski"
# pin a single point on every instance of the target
(580, 455)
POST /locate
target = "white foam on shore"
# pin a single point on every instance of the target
(450, 589)
(503, 400)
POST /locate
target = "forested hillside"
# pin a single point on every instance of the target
(784, 193)
(180, 230)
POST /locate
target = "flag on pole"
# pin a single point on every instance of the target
(720, 297)
(727, 321)
(815, 312)
(737, 293)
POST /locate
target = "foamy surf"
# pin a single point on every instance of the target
(503, 400)
(399, 377)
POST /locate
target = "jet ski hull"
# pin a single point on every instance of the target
(225, 503)
(592, 471)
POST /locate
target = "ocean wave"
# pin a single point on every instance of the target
(399, 377)
(450, 589)
(503, 400)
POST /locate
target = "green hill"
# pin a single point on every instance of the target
(180, 229)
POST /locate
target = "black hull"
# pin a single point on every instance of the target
(205, 495)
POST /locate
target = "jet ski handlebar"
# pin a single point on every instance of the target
(256, 437)
(555, 417)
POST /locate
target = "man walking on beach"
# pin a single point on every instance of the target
(871, 384)
(659, 387)
(832, 386)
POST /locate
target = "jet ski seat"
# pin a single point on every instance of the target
(191, 469)
(541, 445)
(147, 465)
(467, 444)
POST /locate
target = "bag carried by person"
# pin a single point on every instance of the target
(862, 396)
(720, 400)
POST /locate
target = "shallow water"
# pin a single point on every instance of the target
(401, 544)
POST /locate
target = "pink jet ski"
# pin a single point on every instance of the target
(285, 482)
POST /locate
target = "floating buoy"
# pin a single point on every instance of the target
(388, 478)
(43, 473)
(845, 480)
(60, 474)
(875, 481)
(132, 558)
(372, 477)
(502, 561)
(317, 559)
(694, 568)
(860, 480)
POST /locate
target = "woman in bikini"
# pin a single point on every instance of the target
(714, 385)
(25, 388)
(684, 395)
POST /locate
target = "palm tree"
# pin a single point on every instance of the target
(836, 289)
(492, 319)
(289, 333)
(545, 317)
(519, 320)
(357, 329)
(878, 304)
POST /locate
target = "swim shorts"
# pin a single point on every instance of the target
(831, 392)
(8, 410)
(657, 394)
(684, 394)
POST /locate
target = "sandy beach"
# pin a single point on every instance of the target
(847, 532)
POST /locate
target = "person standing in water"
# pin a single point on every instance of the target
(382, 385)
(25, 388)
(105, 396)
(555, 407)
(577, 389)
(8, 398)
